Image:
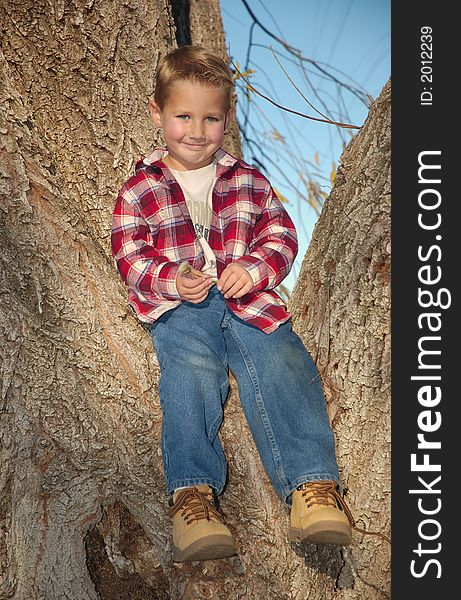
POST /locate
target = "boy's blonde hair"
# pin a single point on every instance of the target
(192, 63)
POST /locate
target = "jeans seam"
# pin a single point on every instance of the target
(164, 447)
(214, 428)
(262, 411)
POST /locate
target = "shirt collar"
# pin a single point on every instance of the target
(224, 160)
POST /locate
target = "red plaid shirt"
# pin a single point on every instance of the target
(153, 233)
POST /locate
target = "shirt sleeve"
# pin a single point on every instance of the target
(274, 245)
(142, 267)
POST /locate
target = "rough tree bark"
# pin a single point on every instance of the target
(82, 500)
(341, 309)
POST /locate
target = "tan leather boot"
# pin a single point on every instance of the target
(198, 530)
(319, 515)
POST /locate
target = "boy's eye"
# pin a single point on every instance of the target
(210, 119)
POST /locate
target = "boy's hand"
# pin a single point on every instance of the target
(192, 285)
(235, 281)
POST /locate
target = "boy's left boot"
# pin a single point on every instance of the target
(198, 529)
(319, 515)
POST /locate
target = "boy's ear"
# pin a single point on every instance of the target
(155, 113)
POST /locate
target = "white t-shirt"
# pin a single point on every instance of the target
(197, 186)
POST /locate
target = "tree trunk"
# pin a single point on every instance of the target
(83, 508)
(341, 309)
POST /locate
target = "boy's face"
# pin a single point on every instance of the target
(193, 119)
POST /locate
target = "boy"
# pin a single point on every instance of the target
(201, 240)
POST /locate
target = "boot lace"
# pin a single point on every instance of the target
(325, 493)
(195, 505)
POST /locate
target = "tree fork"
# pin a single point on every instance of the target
(80, 419)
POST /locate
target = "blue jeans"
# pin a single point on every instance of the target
(279, 387)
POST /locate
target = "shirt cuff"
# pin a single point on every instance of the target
(166, 281)
(257, 269)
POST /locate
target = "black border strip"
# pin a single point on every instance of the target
(424, 131)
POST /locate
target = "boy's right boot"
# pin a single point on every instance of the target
(198, 530)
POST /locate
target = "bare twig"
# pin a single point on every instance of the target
(295, 112)
(296, 52)
(295, 86)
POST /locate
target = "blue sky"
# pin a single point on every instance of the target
(351, 38)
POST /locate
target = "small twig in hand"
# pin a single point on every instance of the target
(187, 269)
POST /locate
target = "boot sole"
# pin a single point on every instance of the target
(323, 532)
(207, 548)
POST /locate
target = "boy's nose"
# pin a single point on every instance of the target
(197, 130)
